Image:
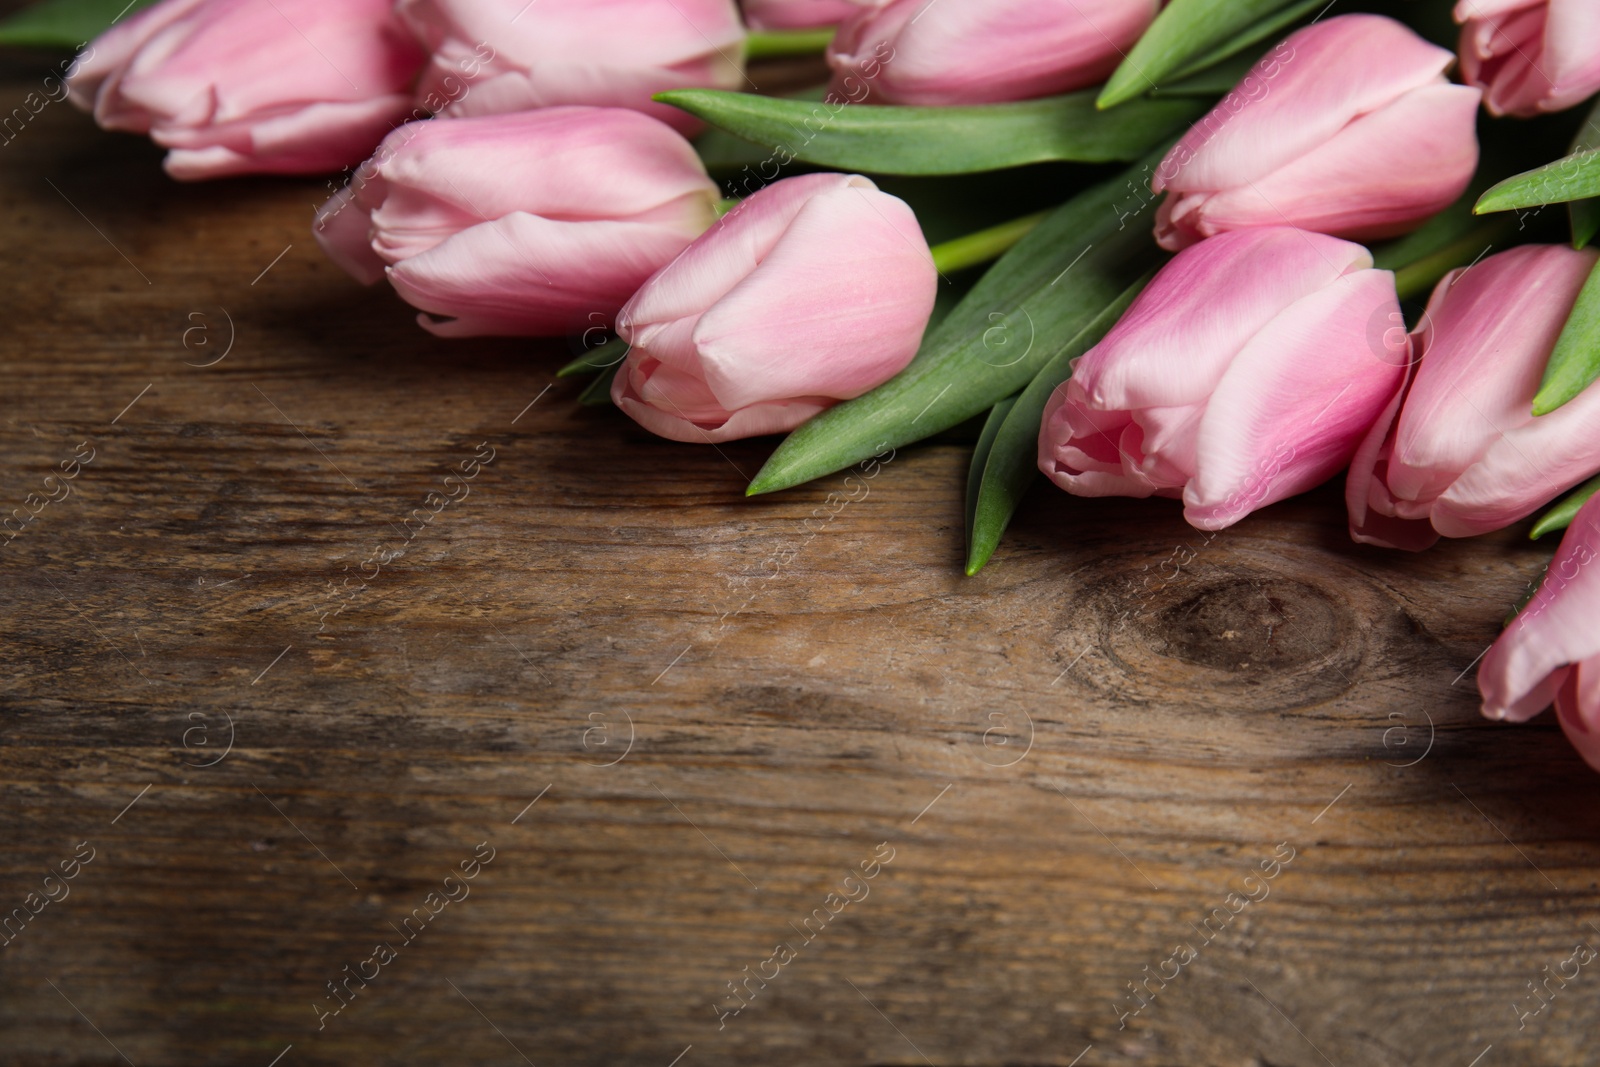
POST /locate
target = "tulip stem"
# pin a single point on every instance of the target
(1418, 278)
(775, 44)
(981, 247)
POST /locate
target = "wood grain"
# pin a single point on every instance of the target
(722, 705)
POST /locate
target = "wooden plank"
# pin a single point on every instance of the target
(721, 708)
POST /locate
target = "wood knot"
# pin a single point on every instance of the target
(1246, 624)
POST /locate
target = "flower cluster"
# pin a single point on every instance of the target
(528, 171)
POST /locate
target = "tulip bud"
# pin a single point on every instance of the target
(984, 51)
(1551, 651)
(241, 87)
(797, 14)
(1246, 372)
(1466, 455)
(1349, 127)
(814, 290)
(1530, 56)
(497, 56)
(530, 223)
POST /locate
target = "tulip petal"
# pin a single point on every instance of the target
(1298, 98)
(1483, 344)
(317, 137)
(527, 274)
(796, 14)
(726, 254)
(515, 55)
(1296, 402)
(565, 84)
(772, 417)
(1528, 666)
(1335, 188)
(256, 58)
(914, 52)
(110, 52)
(1094, 453)
(1524, 468)
(1570, 701)
(344, 230)
(852, 276)
(1177, 340)
(575, 163)
(1374, 513)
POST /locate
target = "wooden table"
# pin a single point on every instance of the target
(678, 719)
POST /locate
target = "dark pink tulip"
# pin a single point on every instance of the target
(1531, 56)
(495, 56)
(982, 51)
(1248, 371)
(1465, 454)
(797, 14)
(245, 87)
(1551, 651)
(541, 222)
(812, 291)
(1349, 127)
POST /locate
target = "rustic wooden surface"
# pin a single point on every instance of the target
(721, 709)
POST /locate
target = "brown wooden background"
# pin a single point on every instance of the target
(1075, 756)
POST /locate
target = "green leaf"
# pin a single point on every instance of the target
(1186, 33)
(1267, 28)
(598, 392)
(1575, 363)
(1561, 516)
(1030, 305)
(980, 459)
(64, 23)
(1585, 214)
(1007, 460)
(596, 359)
(940, 140)
(1576, 177)
(1585, 221)
(1219, 80)
(721, 151)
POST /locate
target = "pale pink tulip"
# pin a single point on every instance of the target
(541, 222)
(812, 291)
(1349, 127)
(244, 87)
(797, 14)
(1530, 56)
(1551, 651)
(983, 51)
(495, 56)
(1246, 372)
(1466, 455)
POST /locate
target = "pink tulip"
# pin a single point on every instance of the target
(796, 14)
(1349, 127)
(1466, 455)
(814, 290)
(495, 56)
(983, 51)
(1246, 372)
(542, 222)
(243, 87)
(1551, 651)
(1530, 56)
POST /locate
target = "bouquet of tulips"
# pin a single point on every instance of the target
(1269, 241)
